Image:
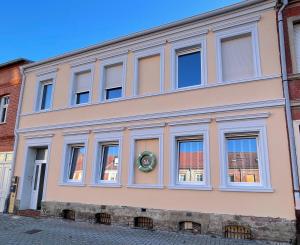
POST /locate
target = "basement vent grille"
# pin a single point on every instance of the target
(68, 214)
(237, 232)
(190, 226)
(143, 222)
(103, 218)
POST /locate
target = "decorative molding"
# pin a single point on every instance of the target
(188, 35)
(145, 186)
(243, 117)
(47, 71)
(223, 26)
(105, 130)
(187, 122)
(246, 189)
(83, 62)
(81, 132)
(27, 137)
(142, 126)
(161, 115)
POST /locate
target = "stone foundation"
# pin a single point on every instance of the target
(262, 228)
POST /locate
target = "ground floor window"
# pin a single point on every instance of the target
(77, 154)
(109, 162)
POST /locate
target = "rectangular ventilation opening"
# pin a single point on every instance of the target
(68, 214)
(103, 218)
(143, 222)
(190, 226)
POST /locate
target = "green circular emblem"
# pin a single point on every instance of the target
(146, 161)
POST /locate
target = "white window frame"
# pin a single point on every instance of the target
(76, 70)
(102, 139)
(144, 134)
(110, 62)
(188, 45)
(258, 126)
(144, 54)
(44, 78)
(186, 131)
(2, 106)
(69, 141)
(233, 32)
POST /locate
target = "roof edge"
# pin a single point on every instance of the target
(15, 61)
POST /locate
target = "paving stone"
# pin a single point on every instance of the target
(61, 232)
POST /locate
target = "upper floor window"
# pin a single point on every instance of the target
(113, 81)
(4, 101)
(46, 95)
(238, 54)
(188, 67)
(297, 45)
(82, 87)
(188, 63)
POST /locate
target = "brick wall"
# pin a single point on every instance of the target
(10, 84)
(293, 9)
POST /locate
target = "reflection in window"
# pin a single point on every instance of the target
(76, 163)
(4, 101)
(189, 68)
(190, 159)
(46, 96)
(242, 158)
(110, 162)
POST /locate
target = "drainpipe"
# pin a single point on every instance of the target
(294, 164)
(16, 128)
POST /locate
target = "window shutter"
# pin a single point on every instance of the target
(237, 58)
(297, 46)
(83, 82)
(113, 76)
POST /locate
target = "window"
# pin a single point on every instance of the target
(75, 166)
(109, 162)
(297, 45)
(244, 156)
(238, 53)
(4, 101)
(113, 81)
(82, 87)
(188, 67)
(190, 159)
(46, 95)
(237, 57)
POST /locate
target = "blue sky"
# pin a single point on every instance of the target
(41, 29)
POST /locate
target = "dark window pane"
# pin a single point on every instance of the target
(189, 69)
(113, 93)
(36, 175)
(82, 97)
(3, 117)
(190, 160)
(110, 161)
(6, 100)
(46, 97)
(242, 160)
(76, 163)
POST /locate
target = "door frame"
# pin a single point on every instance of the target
(27, 167)
(39, 163)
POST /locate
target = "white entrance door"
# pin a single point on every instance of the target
(38, 184)
(5, 175)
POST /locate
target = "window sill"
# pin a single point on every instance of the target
(189, 88)
(1, 123)
(246, 189)
(112, 100)
(80, 105)
(72, 184)
(106, 185)
(191, 187)
(144, 186)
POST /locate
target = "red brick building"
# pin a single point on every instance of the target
(10, 85)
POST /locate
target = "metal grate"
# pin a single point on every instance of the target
(190, 226)
(33, 231)
(68, 214)
(143, 222)
(237, 232)
(103, 218)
